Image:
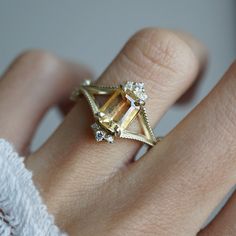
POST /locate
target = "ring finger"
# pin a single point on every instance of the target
(167, 64)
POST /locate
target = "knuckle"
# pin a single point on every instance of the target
(162, 50)
(40, 61)
(38, 57)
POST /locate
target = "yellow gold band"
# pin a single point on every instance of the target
(126, 102)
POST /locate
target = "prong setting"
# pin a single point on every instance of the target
(101, 134)
(86, 82)
(126, 102)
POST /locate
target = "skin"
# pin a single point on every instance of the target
(96, 188)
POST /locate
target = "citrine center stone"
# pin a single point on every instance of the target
(118, 111)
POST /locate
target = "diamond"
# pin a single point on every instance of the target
(74, 95)
(137, 88)
(128, 86)
(109, 138)
(142, 96)
(86, 82)
(99, 135)
(95, 126)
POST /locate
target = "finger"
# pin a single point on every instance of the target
(193, 168)
(224, 223)
(193, 43)
(168, 62)
(165, 63)
(78, 73)
(35, 81)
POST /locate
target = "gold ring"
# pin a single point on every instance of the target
(125, 103)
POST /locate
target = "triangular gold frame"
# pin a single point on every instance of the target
(90, 90)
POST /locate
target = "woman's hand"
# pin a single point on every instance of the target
(96, 188)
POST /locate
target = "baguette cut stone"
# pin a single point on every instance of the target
(119, 111)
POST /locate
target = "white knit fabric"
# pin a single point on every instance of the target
(22, 212)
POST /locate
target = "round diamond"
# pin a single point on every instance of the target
(95, 126)
(109, 139)
(143, 96)
(86, 82)
(137, 88)
(128, 86)
(99, 135)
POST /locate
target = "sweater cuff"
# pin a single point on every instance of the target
(22, 211)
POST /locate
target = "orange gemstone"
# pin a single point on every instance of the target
(119, 109)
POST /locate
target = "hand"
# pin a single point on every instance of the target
(96, 188)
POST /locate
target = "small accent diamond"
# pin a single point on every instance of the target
(99, 135)
(95, 126)
(109, 138)
(86, 82)
(137, 88)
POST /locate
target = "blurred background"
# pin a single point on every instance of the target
(94, 31)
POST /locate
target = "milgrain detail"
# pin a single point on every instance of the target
(126, 103)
